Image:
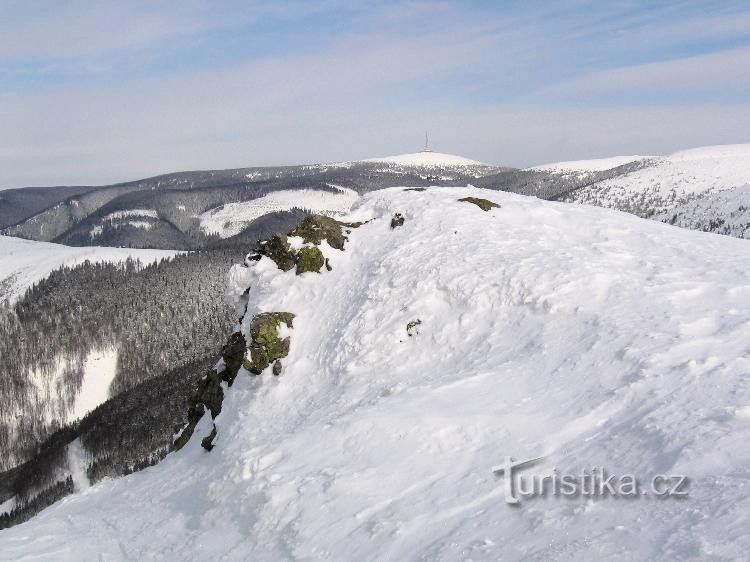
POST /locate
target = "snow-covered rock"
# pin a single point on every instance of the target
(582, 335)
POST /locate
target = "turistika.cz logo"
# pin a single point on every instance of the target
(593, 483)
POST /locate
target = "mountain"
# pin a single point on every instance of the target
(405, 354)
(429, 159)
(25, 262)
(191, 210)
(702, 188)
(19, 204)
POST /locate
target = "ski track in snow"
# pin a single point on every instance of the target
(584, 335)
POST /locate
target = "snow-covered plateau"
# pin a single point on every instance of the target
(584, 335)
(25, 262)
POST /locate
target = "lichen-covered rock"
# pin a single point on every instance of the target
(316, 228)
(265, 345)
(277, 248)
(397, 220)
(309, 258)
(484, 204)
(277, 368)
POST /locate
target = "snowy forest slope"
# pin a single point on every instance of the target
(575, 333)
(24, 262)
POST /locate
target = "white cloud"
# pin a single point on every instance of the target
(480, 84)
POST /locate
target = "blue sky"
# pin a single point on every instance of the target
(94, 92)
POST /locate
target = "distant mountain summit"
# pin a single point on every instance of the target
(427, 158)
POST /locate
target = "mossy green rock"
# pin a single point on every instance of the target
(208, 396)
(309, 258)
(265, 344)
(277, 248)
(233, 352)
(484, 204)
(316, 228)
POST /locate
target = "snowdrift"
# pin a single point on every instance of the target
(426, 355)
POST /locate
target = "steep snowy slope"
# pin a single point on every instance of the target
(586, 336)
(668, 183)
(24, 262)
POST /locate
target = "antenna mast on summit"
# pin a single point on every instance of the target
(426, 143)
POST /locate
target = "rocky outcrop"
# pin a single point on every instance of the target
(484, 204)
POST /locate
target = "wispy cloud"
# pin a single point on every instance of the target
(105, 92)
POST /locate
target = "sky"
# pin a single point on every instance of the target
(96, 92)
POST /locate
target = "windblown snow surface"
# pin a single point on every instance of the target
(25, 262)
(587, 336)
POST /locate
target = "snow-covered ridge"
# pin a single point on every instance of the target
(589, 337)
(595, 165)
(25, 262)
(230, 219)
(426, 159)
(665, 186)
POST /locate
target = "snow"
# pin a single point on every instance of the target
(25, 262)
(725, 211)
(117, 215)
(672, 180)
(427, 158)
(77, 462)
(584, 335)
(99, 371)
(595, 165)
(8, 505)
(231, 218)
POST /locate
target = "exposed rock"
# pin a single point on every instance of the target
(411, 327)
(265, 344)
(483, 204)
(210, 395)
(208, 442)
(309, 258)
(415, 189)
(233, 352)
(278, 249)
(397, 220)
(316, 228)
(277, 368)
